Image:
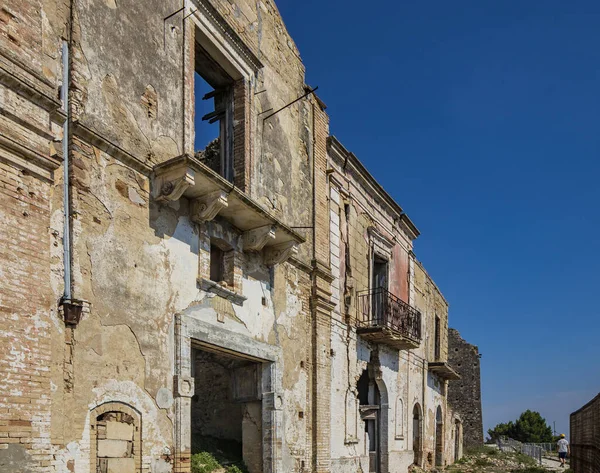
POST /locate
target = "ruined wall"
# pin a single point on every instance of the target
(135, 263)
(585, 437)
(30, 134)
(434, 393)
(465, 395)
(362, 224)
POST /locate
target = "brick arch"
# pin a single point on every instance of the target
(126, 415)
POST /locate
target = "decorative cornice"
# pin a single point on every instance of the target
(25, 158)
(233, 39)
(95, 139)
(28, 84)
(207, 207)
(346, 158)
(257, 238)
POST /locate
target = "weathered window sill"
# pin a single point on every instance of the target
(215, 288)
(399, 437)
(351, 440)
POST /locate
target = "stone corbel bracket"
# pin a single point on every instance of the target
(208, 206)
(257, 238)
(280, 253)
(170, 185)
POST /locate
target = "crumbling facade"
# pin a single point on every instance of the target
(389, 334)
(465, 396)
(585, 438)
(157, 296)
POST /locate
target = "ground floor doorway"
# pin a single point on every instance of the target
(226, 410)
(416, 430)
(439, 437)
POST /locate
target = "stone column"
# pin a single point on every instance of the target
(183, 388)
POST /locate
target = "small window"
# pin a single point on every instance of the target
(217, 263)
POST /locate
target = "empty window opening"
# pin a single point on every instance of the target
(227, 410)
(217, 263)
(213, 114)
(438, 339)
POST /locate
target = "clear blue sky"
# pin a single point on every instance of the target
(482, 119)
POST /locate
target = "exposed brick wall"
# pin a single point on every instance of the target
(241, 136)
(25, 319)
(585, 438)
(321, 132)
(464, 395)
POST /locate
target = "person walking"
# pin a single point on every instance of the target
(563, 449)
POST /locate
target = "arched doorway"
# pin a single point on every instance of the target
(417, 435)
(457, 440)
(373, 400)
(439, 437)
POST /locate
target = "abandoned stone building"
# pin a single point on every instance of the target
(188, 257)
(465, 396)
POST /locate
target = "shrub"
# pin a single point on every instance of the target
(204, 462)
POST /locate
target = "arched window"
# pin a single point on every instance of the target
(351, 416)
(399, 418)
(115, 438)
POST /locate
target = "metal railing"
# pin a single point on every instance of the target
(380, 308)
(532, 450)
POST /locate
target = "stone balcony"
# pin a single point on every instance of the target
(443, 370)
(211, 195)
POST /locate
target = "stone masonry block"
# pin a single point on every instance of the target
(119, 431)
(113, 448)
(121, 465)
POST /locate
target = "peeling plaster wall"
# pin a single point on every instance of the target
(354, 211)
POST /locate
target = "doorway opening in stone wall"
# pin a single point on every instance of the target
(226, 410)
(417, 435)
(380, 288)
(457, 440)
(372, 394)
(439, 437)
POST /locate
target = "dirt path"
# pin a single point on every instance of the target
(552, 465)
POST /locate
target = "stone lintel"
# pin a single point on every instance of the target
(277, 254)
(207, 207)
(257, 238)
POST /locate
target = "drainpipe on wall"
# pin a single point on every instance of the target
(71, 308)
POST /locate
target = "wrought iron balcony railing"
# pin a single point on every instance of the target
(380, 309)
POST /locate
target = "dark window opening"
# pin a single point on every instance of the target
(438, 339)
(363, 388)
(213, 114)
(217, 263)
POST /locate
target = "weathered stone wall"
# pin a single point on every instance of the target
(465, 395)
(30, 133)
(434, 391)
(585, 437)
(141, 267)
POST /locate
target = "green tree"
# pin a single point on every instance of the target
(502, 430)
(530, 427)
